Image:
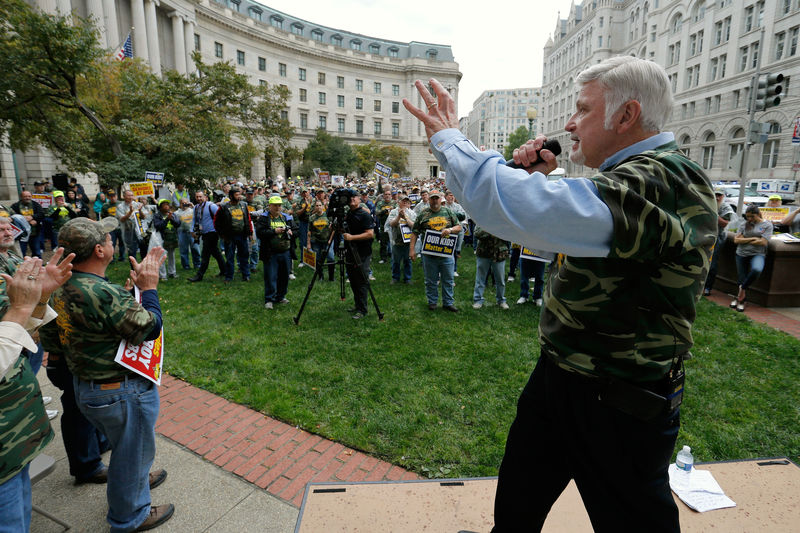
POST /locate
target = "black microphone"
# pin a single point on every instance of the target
(549, 144)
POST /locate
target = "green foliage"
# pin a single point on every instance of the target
(118, 119)
(328, 153)
(515, 140)
(368, 154)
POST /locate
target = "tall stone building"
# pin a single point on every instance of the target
(496, 114)
(347, 83)
(710, 50)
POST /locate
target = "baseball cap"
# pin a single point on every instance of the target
(275, 199)
(434, 192)
(56, 194)
(80, 236)
(404, 197)
(161, 201)
(775, 197)
(719, 192)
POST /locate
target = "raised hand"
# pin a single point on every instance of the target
(441, 113)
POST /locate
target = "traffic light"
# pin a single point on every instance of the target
(768, 91)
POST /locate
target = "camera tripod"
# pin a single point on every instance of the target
(340, 259)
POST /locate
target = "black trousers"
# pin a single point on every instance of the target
(358, 274)
(562, 432)
(210, 248)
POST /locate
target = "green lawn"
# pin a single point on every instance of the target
(434, 391)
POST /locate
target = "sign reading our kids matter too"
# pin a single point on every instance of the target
(435, 244)
(405, 232)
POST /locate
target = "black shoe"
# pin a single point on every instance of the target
(451, 308)
(99, 478)
(194, 278)
(432, 307)
(158, 515)
(157, 477)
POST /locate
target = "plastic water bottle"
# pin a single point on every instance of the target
(684, 463)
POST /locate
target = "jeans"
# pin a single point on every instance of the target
(186, 245)
(131, 241)
(276, 276)
(712, 269)
(35, 243)
(400, 255)
(168, 266)
(127, 416)
(482, 267)
(619, 463)
(358, 273)
(319, 249)
(82, 441)
(383, 245)
(237, 245)
(210, 249)
(116, 237)
(749, 268)
(254, 245)
(436, 267)
(303, 234)
(529, 268)
(514, 262)
(15, 503)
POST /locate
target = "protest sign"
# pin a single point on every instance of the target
(527, 253)
(138, 226)
(337, 181)
(405, 232)
(145, 359)
(382, 171)
(44, 200)
(156, 178)
(436, 245)
(142, 188)
(774, 214)
(309, 258)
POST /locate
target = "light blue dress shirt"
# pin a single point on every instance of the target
(565, 216)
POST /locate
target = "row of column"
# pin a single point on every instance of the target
(144, 32)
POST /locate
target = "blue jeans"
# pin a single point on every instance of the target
(116, 237)
(436, 267)
(482, 267)
(303, 234)
(254, 244)
(276, 276)
(35, 244)
(127, 416)
(237, 245)
(319, 249)
(400, 255)
(187, 245)
(528, 268)
(15, 503)
(749, 268)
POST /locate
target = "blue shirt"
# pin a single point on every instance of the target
(565, 216)
(206, 218)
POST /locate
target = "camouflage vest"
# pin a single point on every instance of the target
(490, 247)
(630, 314)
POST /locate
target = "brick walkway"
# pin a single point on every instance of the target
(274, 456)
(760, 314)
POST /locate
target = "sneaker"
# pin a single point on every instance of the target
(162, 279)
(292, 276)
(301, 265)
(511, 278)
(175, 276)
(284, 301)
(268, 305)
(47, 399)
(52, 413)
(381, 262)
(455, 274)
(521, 300)
(477, 305)
(538, 302)
(371, 277)
(503, 305)
(358, 315)
(158, 515)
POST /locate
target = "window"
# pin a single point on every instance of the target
(340, 125)
(276, 21)
(712, 73)
(737, 144)
(239, 57)
(395, 90)
(748, 18)
(723, 62)
(336, 40)
(715, 108)
(317, 35)
(340, 82)
(262, 83)
(355, 44)
(743, 58)
(218, 50)
(359, 103)
(255, 13)
(374, 48)
(359, 127)
(377, 127)
(754, 54)
(303, 95)
(322, 98)
(600, 22)
(677, 23)
(323, 122)
(301, 74)
(282, 69)
(284, 115)
(304, 121)
(769, 153)
(780, 42)
(395, 107)
(196, 42)
(393, 52)
(600, 41)
(262, 63)
(691, 109)
(340, 100)
(431, 54)
(793, 40)
(708, 105)
(708, 151)
(376, 105)
(395, 129)
(297, 28)
(377, 86)
(234, 5)
(321, 78)
(684, 144)
(359, 85)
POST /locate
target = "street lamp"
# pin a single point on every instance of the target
(532, 112)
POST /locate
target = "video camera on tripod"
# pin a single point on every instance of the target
(338, 205)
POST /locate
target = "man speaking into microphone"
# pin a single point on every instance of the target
(601, 406)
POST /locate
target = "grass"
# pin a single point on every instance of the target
(435, 392)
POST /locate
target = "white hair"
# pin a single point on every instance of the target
(629, 78)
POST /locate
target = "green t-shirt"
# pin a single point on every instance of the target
(320, 227)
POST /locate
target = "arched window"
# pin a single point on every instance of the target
(317, 35)
(393, 51)
(677, 23)
(736, 144)
(355, 44)
(708, 150)
(276, 21)
(699, 11)
(769, 152)
(684, 144)
(297, 28)
(336, 39)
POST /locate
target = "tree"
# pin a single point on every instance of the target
(515, 140)
(368, 154)
(118, 119)
(329, 153)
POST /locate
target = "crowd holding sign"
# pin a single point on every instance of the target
(437, 245)
(145, 359)
(142, 188)
(156, 178)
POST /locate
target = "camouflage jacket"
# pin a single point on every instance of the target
(629, 315)
(8, 265)
(320, 227)
(490, 247)
(94, 315)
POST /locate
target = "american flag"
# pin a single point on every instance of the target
(126, 50)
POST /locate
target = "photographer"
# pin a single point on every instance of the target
(358, 237)
(275, 234)
(402, 214)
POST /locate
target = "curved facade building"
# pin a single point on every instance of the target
(347, 83)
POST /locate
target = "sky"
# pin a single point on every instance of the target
(497, 44)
